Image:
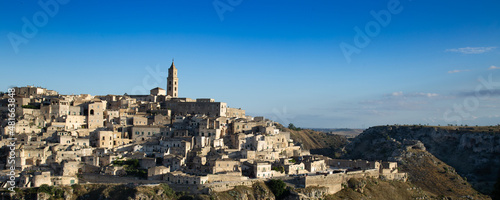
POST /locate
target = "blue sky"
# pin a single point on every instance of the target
(280, 59)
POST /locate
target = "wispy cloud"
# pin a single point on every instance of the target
(493, 67)
(422, 94)
(471, 50)
(457, 71)
(418, 94)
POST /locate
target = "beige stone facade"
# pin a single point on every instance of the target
(96, 116)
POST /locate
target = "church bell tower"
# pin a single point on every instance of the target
(172, 81)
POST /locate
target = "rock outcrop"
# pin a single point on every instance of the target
(473, 154)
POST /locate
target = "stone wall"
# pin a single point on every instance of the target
(225, 186)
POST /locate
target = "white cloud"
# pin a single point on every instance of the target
(426, 94)
(457, 71)
(400, 93)
(494, 67)
(471, 50)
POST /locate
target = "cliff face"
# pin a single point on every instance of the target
(473, 154)
(99, 192)
(258, 191)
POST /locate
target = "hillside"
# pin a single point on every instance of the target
(99, 191)
(371, 188)
(317, 142)
(258, 191)
(431, 154)
(120, 192)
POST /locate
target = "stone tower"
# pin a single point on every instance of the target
(172, 81)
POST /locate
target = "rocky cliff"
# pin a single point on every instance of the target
(258, 191)
(473, 153)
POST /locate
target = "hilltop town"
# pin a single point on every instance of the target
(196, 145)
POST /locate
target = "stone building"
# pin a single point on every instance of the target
(96, 117)
(105, 139)
(157, 172)
(199, 106)
(142, 133)
(158, 91)
(225, 165)
(41, 178)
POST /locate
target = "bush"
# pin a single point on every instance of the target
(131, 167)
(279, 169)
(167, 190)
(278, 187)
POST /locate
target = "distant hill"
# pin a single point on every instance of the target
(349, 133)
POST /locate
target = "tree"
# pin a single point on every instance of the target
(278, 187)
(292, 127)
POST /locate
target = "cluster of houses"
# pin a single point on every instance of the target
(175, 140)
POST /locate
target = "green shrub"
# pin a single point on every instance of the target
(46, 189)
(278, 187)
